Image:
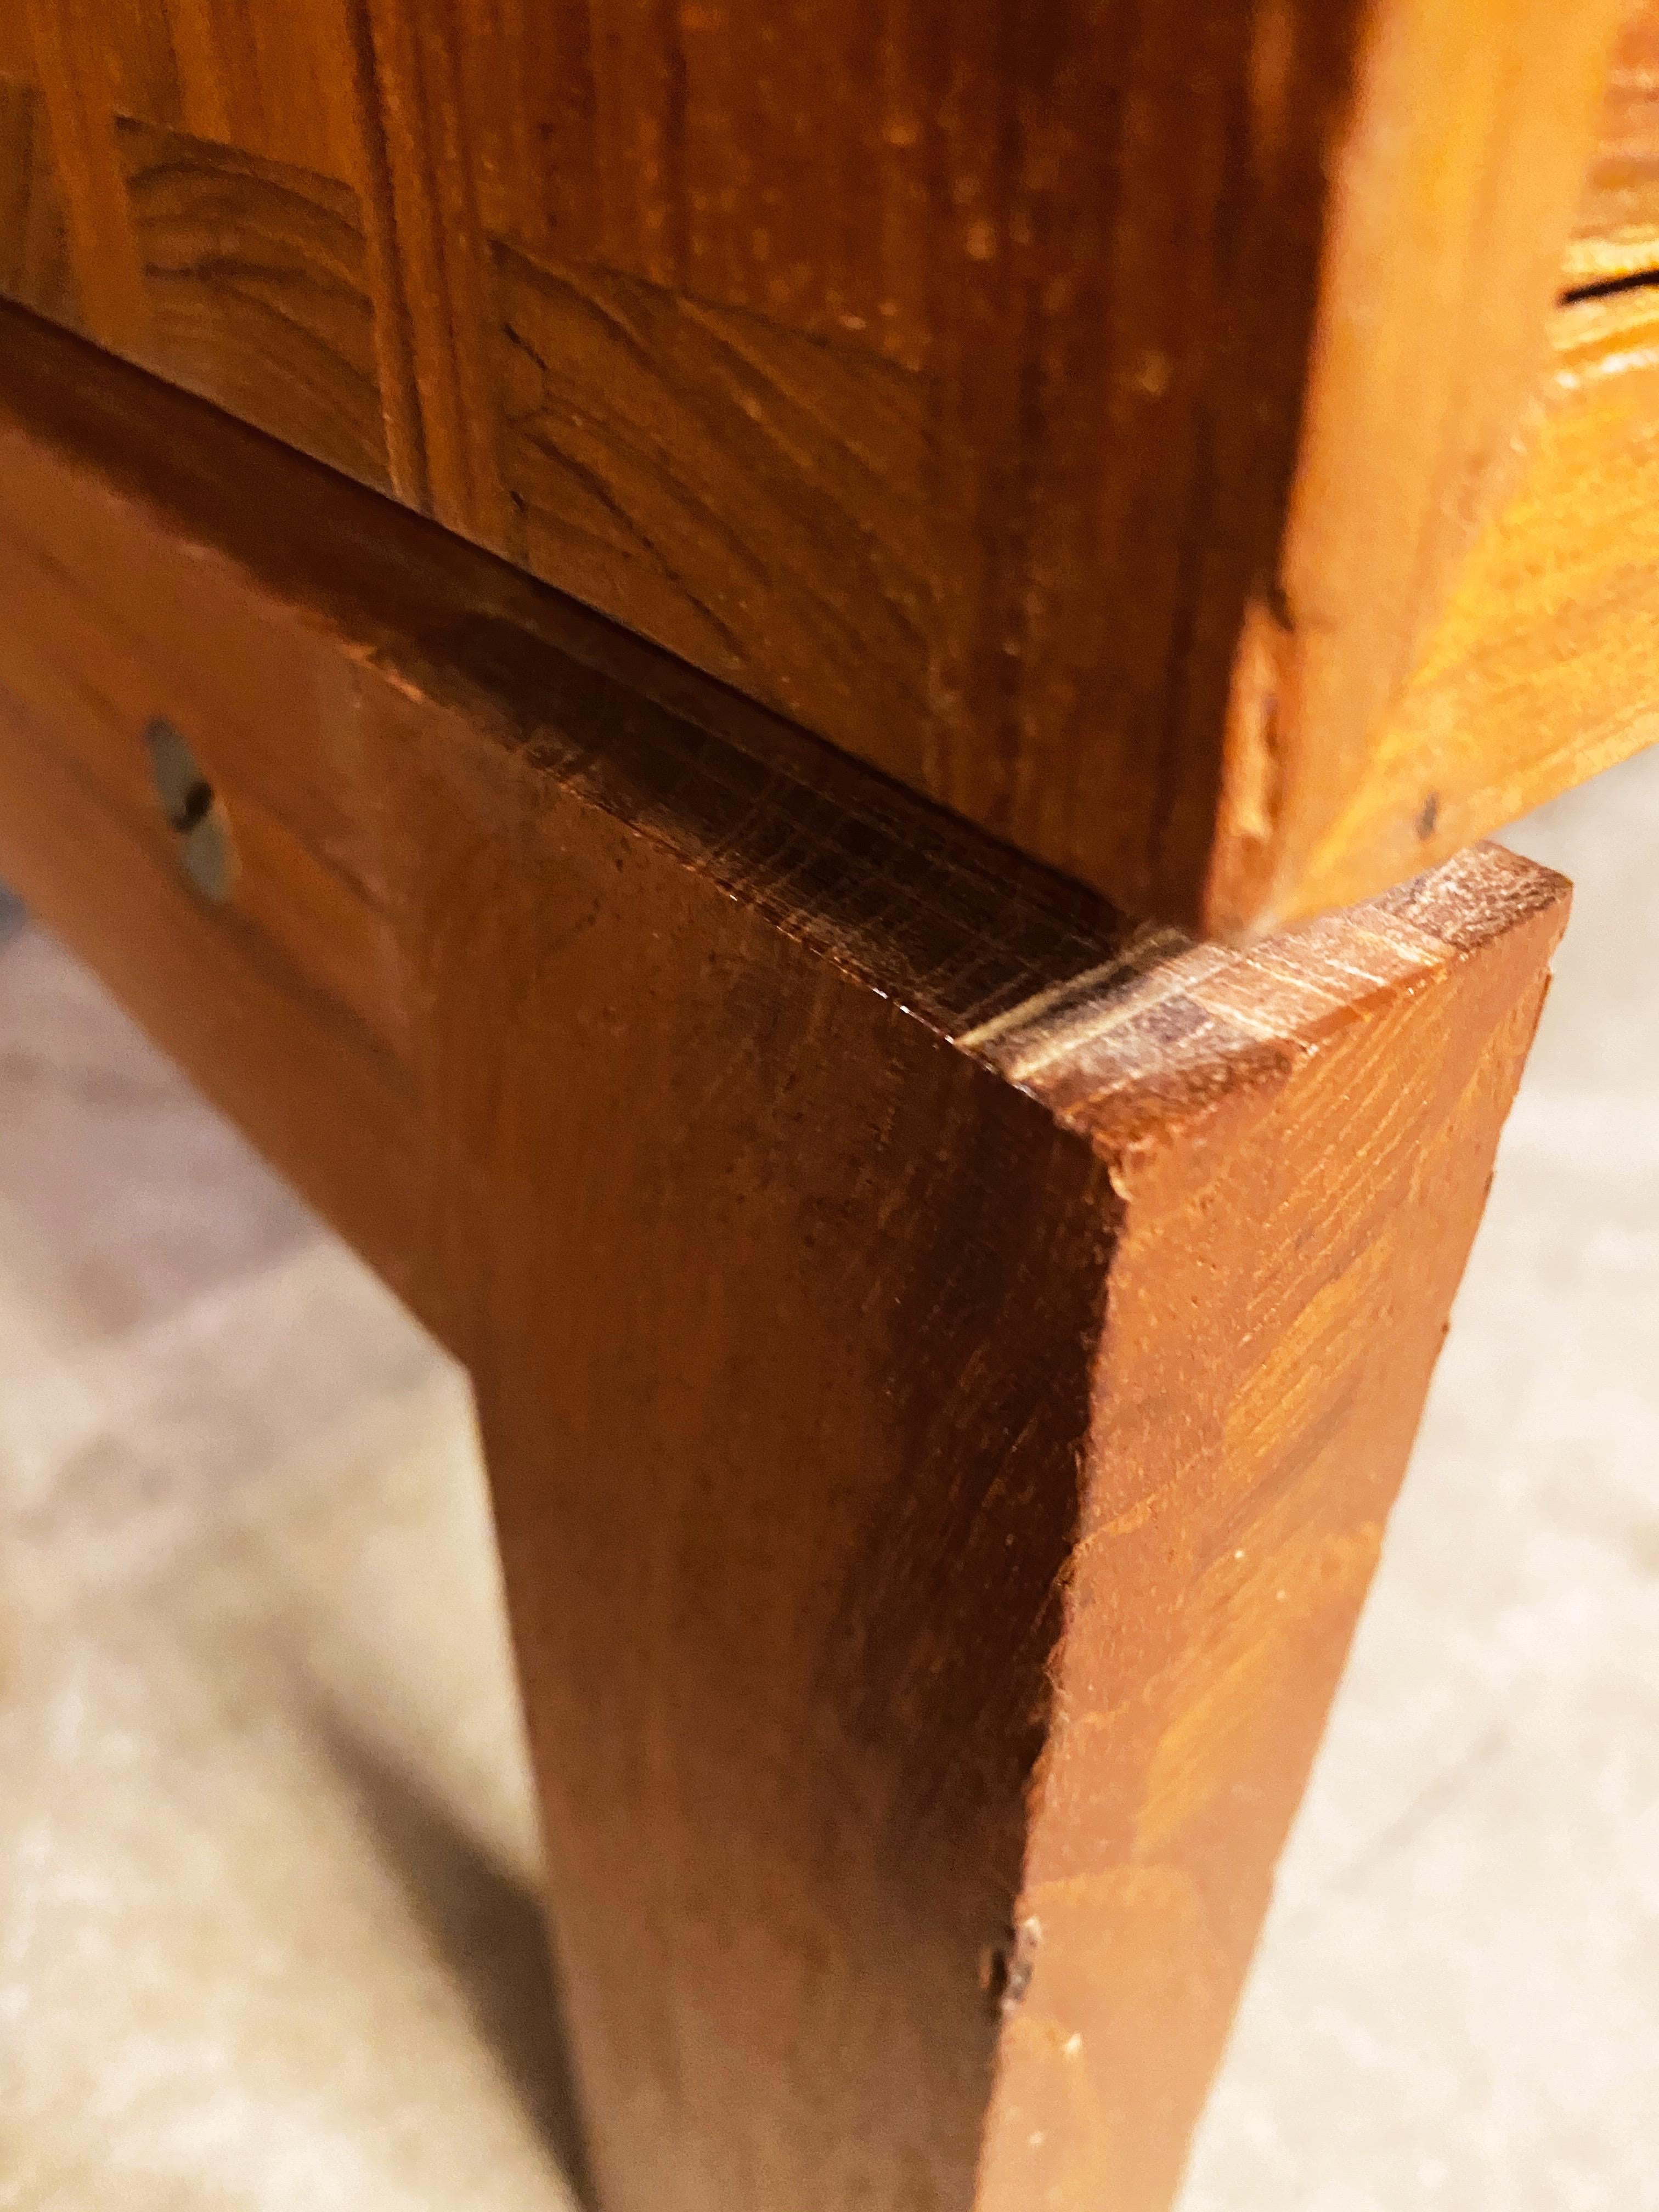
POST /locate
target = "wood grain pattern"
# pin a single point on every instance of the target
(1084, 423)
(34, 264)
(1617, 234)
(74, 67)
(1314, 1208)
(285, 1008)
(439, 256)
(1543, 669)
(707, 460)
(1441, 265)
(944, 1353)
(257, 278)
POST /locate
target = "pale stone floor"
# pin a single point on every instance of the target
(267, 1861)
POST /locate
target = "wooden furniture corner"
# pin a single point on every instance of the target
(944, 1353)
(1087, 415)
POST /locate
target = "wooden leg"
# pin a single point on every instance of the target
(938, 1463)
(945, 1355)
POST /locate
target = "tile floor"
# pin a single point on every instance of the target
(267, 1857)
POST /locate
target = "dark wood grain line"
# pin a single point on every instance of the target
(754, 499)
(445, 262)
(259, 299)
(394, 333)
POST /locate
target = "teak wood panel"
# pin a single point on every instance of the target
(945, 1355)
(1080, 412)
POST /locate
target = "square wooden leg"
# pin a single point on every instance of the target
(938, 1463)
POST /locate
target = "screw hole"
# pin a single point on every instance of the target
(200, 831)
(1006, 1968)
